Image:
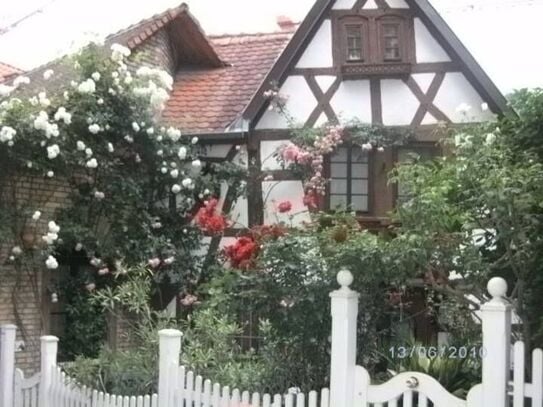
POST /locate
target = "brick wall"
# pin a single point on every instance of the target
(24, 300)
(156, 52)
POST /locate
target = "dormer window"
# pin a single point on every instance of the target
(374, 42)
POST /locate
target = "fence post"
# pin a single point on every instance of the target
(343, 363)
(169, 349)
(7, 364)
(496, 321)
(49, 348)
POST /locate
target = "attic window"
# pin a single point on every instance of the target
(391, 42)
(355, 50)
(376, 42)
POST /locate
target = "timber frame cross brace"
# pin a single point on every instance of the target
(323, 100)
(427, 99)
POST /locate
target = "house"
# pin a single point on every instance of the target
(384, 62)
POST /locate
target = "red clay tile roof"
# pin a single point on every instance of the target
(209, 100)
(7, 71)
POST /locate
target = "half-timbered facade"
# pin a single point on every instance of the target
(386, 62)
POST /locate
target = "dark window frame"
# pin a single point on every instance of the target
(372, 23)
(349, 179)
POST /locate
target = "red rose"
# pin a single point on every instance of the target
(210, 221)
(241, 254)
(284, 207)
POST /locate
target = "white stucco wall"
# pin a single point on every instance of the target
(217, 150)
(370, 4)
(343, 4)
(397, 4)
(275, 192)
(424, 80)
(399, 103)
(267, 150)
(239, 213)
(300, 104)
(353, 100)
(428, 49)
(457, 90)
(318, 53)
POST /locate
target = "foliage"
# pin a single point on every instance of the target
(133, 186)
(210, 347)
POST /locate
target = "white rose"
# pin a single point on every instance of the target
(92, 163)
(196, 163)
(80, 146)
(50, 174)
(182, 153)
(194, 140)
(174, 173)
(96, 76)
(187, 183)
(36, 215)
(51, 263)
(176, 189)
(53, 151)
(94, 128)
(53, 227)
(110, 147)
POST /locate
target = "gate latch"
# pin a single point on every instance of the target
(412, 383)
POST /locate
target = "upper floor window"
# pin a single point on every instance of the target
(355, 49)
(390, 36)
(373, 42)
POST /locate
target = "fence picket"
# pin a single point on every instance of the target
(394, 402)
(180, 388)
(300, 400)
(236, 398)
(537, 378)
(245, 397)
(216, 399)
(255, 400)
(325, 397)
(408, 399)
(189, 389)
(206, 399)
(423, 400)
(225, 399)
(518, 374)
(289, 400)
(154, 400)
(139, 401)
(266, 400)
(312, 399)
(277, 401)
(198, 391)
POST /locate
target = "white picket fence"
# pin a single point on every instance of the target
(503, 373)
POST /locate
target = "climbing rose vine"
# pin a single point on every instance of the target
(133, 183)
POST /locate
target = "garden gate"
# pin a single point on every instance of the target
(350, 385)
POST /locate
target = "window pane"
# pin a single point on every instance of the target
(354, 42)
(359, 155)
(340, 156)
(359, 203)
(338, 201)
(360, 170)
(338, 186)
(338, 171)
(391, 42)
(359, 186)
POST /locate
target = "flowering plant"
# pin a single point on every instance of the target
(87, 171)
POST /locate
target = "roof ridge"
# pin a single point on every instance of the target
(19, 70)
(242, 34)
(169, 13)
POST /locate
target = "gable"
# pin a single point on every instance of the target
(436, 76)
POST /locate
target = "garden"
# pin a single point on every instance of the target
(141, 197)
